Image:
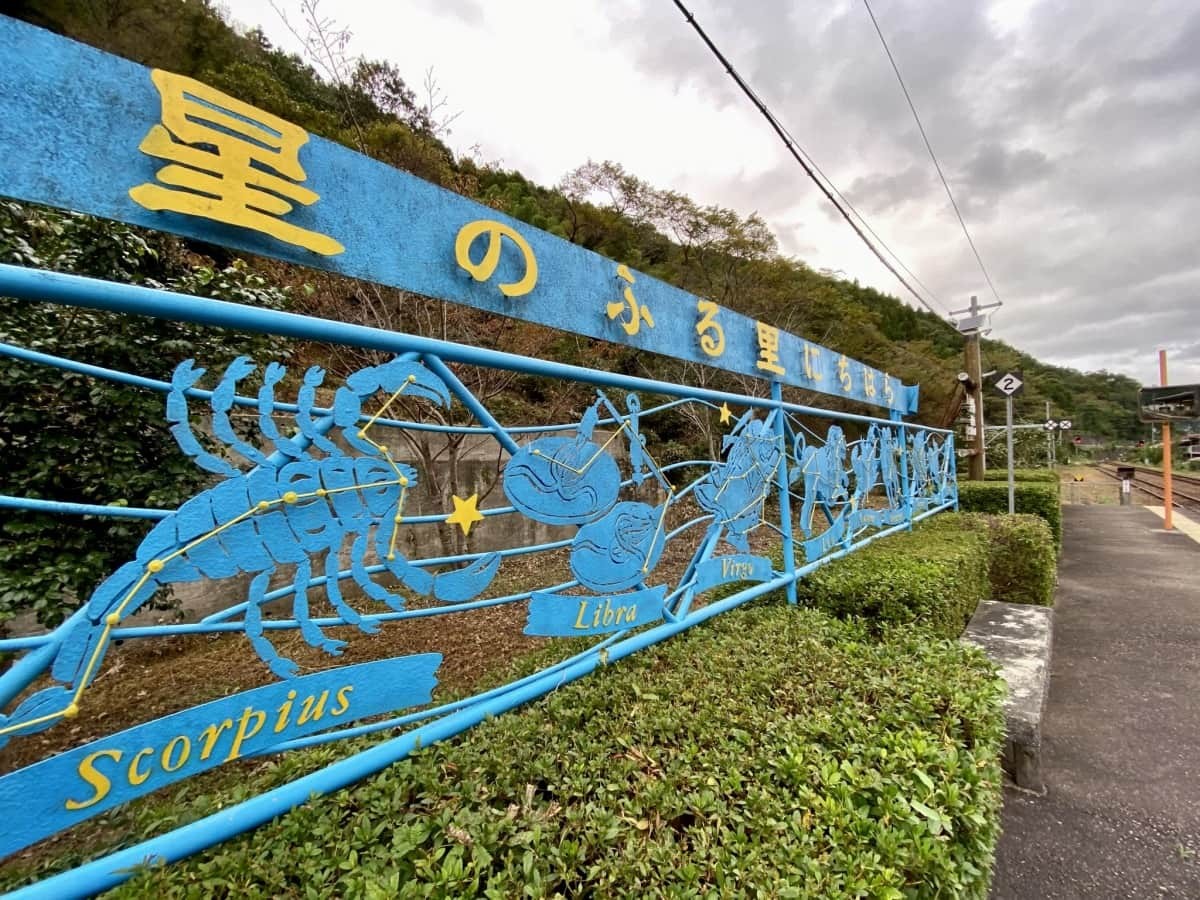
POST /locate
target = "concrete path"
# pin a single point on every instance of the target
(1121, 737)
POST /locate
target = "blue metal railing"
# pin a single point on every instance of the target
(826, 495)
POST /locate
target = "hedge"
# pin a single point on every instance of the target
(1022, 562)
(773, 752)
(1040, 499)
(930, 577)
(1048, 476)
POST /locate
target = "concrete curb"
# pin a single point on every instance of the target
(1018, 638)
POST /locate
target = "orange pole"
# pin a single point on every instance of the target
(1166, 440)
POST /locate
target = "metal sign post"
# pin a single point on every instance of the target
(1168, 497)
(1051, 426)
(1010, 384)
(1012, 499)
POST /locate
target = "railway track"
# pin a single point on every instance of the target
(1185, 489)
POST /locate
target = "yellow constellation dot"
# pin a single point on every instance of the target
(537, 452)
(391, 556)
(362, 434)
(412, 378)
(321, 492)
(290, 497)
(263, 504)
(155, 565)
(71, 711)
(398, 519)
(112, 619)
(403, 481)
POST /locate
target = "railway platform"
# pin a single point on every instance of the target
(1120, 814)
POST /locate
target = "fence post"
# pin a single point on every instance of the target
(785, 501)
(896, 416)
(954, 461)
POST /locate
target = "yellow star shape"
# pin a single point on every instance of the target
(726, 414)
(466, 513)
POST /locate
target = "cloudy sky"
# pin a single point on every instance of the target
(1069, 131)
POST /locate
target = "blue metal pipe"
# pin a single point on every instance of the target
(94, 877)
(471, 402)
(357, 731)
(783, 481)
(218, 622)
(152, 384)
(328, 737)
(91, 293)
(59, 507)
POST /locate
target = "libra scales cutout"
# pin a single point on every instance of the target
(573, 481)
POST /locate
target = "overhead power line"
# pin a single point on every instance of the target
(929, 147)
(867, 225)
(802, 158)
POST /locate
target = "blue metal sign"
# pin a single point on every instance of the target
(167, 152)
(730, 569)
(567, 615)
(315, 502)
(74, 786)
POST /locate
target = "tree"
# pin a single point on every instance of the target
(69, 437)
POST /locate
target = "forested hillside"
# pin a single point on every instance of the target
(719, 253)
(369, 106)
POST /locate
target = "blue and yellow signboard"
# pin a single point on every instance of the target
(106, 136)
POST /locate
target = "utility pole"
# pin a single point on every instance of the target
(971, 327)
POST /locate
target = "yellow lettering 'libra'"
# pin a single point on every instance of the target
(217, 146)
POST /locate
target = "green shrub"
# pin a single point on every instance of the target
(1039, 499)
(773, 752)
(1048, 476)
(927, 576)
(1022, 561)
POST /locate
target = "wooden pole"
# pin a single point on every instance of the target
(1166, 442)
(974, 363)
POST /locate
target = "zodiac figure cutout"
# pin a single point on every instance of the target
(735, 490)
(290, 505)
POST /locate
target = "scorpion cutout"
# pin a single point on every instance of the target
(290, 505)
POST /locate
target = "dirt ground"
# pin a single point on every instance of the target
(145, 679)
(1087, 486)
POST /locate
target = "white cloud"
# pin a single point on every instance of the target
(1070, 132)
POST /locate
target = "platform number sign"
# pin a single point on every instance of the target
(1010, 384)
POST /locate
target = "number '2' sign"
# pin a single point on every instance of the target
(1010, 384)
